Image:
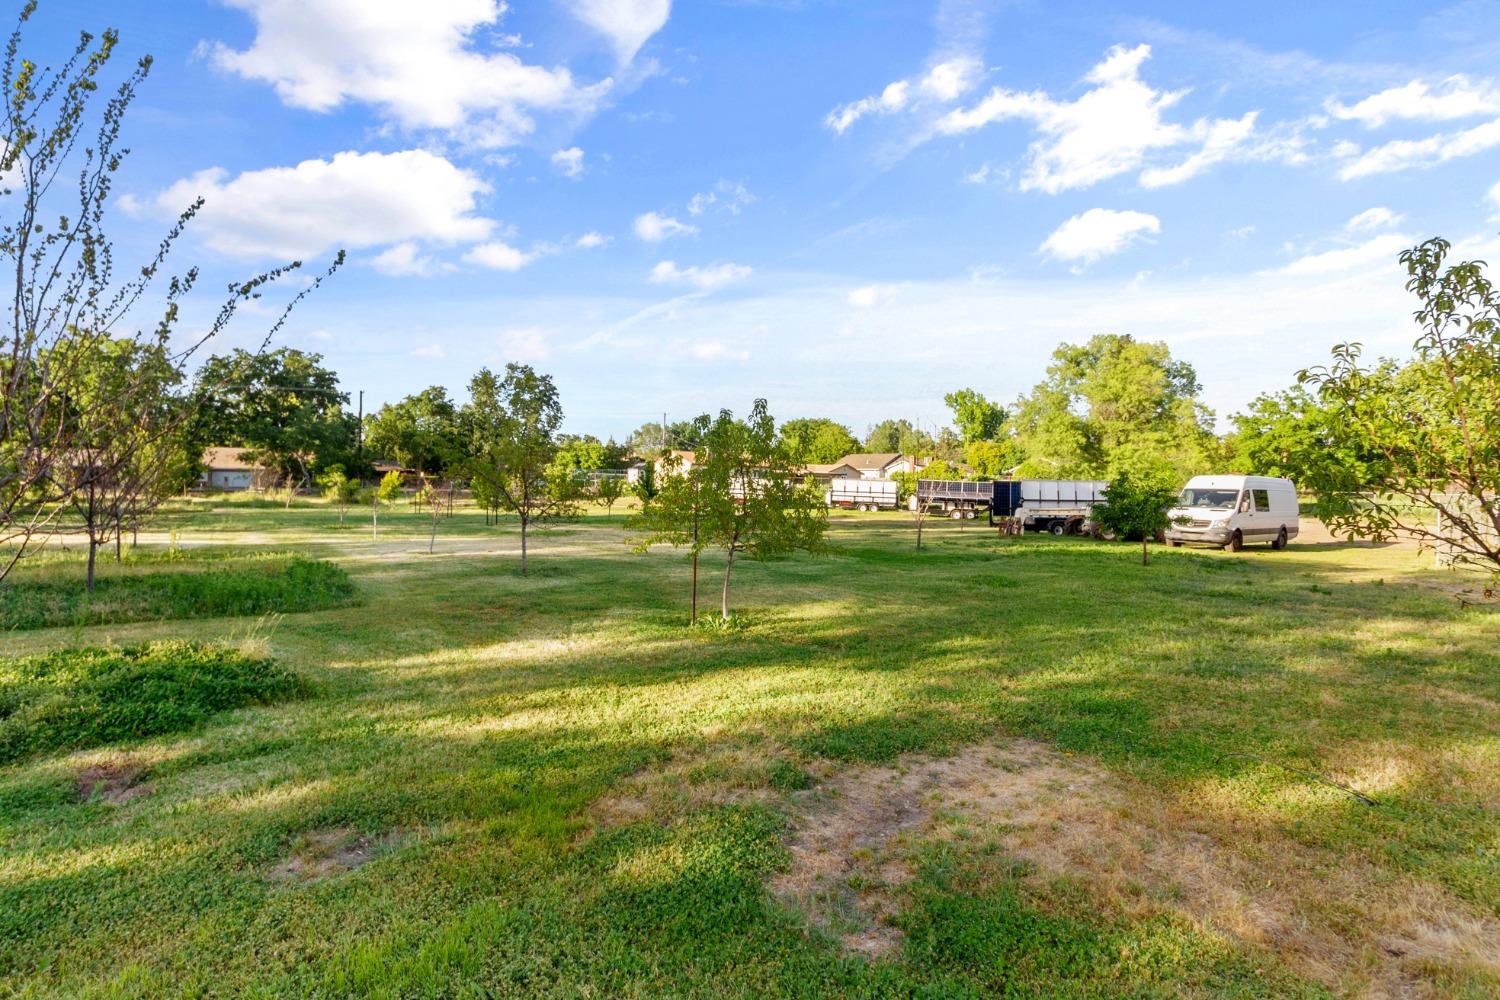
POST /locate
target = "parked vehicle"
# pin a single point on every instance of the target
(1230, 511)
(1061, 506)
(863, 494)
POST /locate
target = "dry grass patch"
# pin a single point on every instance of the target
(113, 781)
(1358, 929)
(323, 854)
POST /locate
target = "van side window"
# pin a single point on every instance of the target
(1262, 500)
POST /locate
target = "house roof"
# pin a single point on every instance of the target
(823, 469)
(871, 460)
(227, 459)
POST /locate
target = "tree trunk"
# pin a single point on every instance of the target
(523, 544)
(724, 598)
(432, 539)
(119, 541)
(375, 520)
(1145, 555)
(342, 508)
(693, 620)
(89, 581)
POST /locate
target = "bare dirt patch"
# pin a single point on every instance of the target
(111, 781)
(1341, 921)
(323, 854)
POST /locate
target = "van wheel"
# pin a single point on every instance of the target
(1236, 542)
(1280, 542)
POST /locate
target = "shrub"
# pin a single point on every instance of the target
(74, 698)
(282, 585)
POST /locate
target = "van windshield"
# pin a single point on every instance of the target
(1208, 499)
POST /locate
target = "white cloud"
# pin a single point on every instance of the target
(1372, 251)
(627, 24)
(730, 196)
(433, 351)
(1404, 154)
(404, 260)
(890, 100)
(591, 240)
(870, 296)
(943, 83)
(1097, 233)
(716, 350)
(950, 80)
(1495, 195)
(498, 256)
(1455, 97)
(1109, 130)
(1372, 218)
(653, 228)
(354, 200)
(569, 161)
(704, 278)
(424, 65)
(525, 344)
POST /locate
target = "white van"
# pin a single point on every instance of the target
(1229, 511)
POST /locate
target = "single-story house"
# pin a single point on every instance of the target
(827, 473)
(882, 465)
(410, 478)
(633, 470)
(226, 468)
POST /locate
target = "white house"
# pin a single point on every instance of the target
(226, 469)
(881, 465)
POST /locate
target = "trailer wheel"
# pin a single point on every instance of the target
(969, 515)
(1059, 528)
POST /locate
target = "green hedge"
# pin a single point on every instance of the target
(75, 698)
(280, 585)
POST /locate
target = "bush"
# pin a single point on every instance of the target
(74, 698)
(281, 585)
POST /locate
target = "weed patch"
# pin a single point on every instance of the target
(261, 587)
(73, 698)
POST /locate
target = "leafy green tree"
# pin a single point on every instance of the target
(977, 418)
(674, 515)
(419, 432)
(1137, 505)
(899, 436)
(73, 295)
(283, 407)
(645, 486)
(817, 439)
(1294, 435)
(387, 491)
(992, 459)
(607, 492)
(579, 456)
(1114, 403)
(652, 440)
(744, 495)
(339, 489)
(1429, 429)
(512, 422)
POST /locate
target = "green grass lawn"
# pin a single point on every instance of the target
(550, 786)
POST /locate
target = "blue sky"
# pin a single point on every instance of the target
(849, 208)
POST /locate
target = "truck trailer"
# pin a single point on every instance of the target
(863, 494)
(1061, 506)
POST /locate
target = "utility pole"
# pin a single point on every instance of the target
(360, 437)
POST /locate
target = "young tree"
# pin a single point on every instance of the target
(607, 492)
(1137, 504)
(339, 489)
(67, 299)
(1429, 430)
(387, 492)
(747, 496)
(513, 425)
(645, 486)
(674, 516)
(428, 495)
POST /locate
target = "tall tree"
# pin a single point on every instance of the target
(817, 439)
(419, 432)
(1294, 435)
(977, 418)
(899, 435)
(283, 407)
(1111, 404)
(1430, 429)
(513, 422)
(68, 297)
(747, 497)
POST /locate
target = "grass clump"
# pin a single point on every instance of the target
(75, 698)
(286, 584)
